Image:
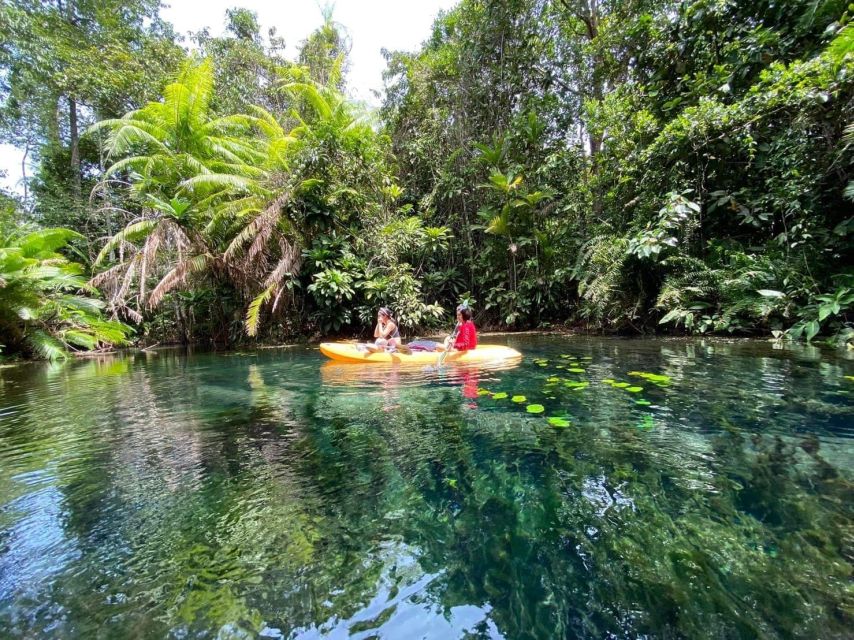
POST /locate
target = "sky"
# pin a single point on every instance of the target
(371, 25)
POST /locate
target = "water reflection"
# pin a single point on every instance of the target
(276, 494)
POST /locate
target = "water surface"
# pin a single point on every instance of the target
(273, 494)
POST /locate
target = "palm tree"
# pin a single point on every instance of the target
(188, 169)
(216, 192)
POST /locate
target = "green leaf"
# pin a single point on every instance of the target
(771, 293)
(519, 399)
(499, 396)
(558, 422)
(536, 408)
(811, 329)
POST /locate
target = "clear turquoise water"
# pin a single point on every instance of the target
(271, 494)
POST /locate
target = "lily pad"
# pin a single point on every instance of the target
(646, 423)
(553, 379)
(499, 396)
(634, 389)
(655, 378)
(559, 422)
(643, 403)
(620, 385)
(575, 370)
(849, 377)
(609, 381)
(484, 392)
(536, 408)
(576, 386)
(586, 357)
(519, 399)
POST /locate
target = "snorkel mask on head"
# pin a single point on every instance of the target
(385, 311)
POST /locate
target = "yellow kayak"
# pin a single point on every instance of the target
(350, 352)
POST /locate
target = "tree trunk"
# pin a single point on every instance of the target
(24, 172)
(75, 147)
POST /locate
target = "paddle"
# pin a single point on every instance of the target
(450, 346)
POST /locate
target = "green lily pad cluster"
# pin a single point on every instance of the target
(622, 385)
(630, 388)
(573, 364)
(655, 378)
(534, 408)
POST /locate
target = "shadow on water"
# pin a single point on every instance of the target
(698, 489)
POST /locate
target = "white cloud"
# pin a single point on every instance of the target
(371, 24)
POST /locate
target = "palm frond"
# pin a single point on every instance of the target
(46, 345)
(218, 180)
(313, 96)
(253, 312)
(265, 220)
(131, 233)
(177, 276)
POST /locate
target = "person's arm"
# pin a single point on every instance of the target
(377, 332)
(389, 329)
(450, 340)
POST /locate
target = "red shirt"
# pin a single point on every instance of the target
(467, 337)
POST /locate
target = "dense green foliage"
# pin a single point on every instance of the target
(629, 165)
(238, 203)
(688, 158)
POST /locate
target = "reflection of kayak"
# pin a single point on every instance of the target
(349, 352)
(396, 375)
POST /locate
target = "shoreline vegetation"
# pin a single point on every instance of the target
(627, 167)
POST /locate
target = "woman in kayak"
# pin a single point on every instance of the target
(386, 332)
(465, 331)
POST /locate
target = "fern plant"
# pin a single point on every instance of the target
(46, 307)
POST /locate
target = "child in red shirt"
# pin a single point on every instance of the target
(466, 332)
